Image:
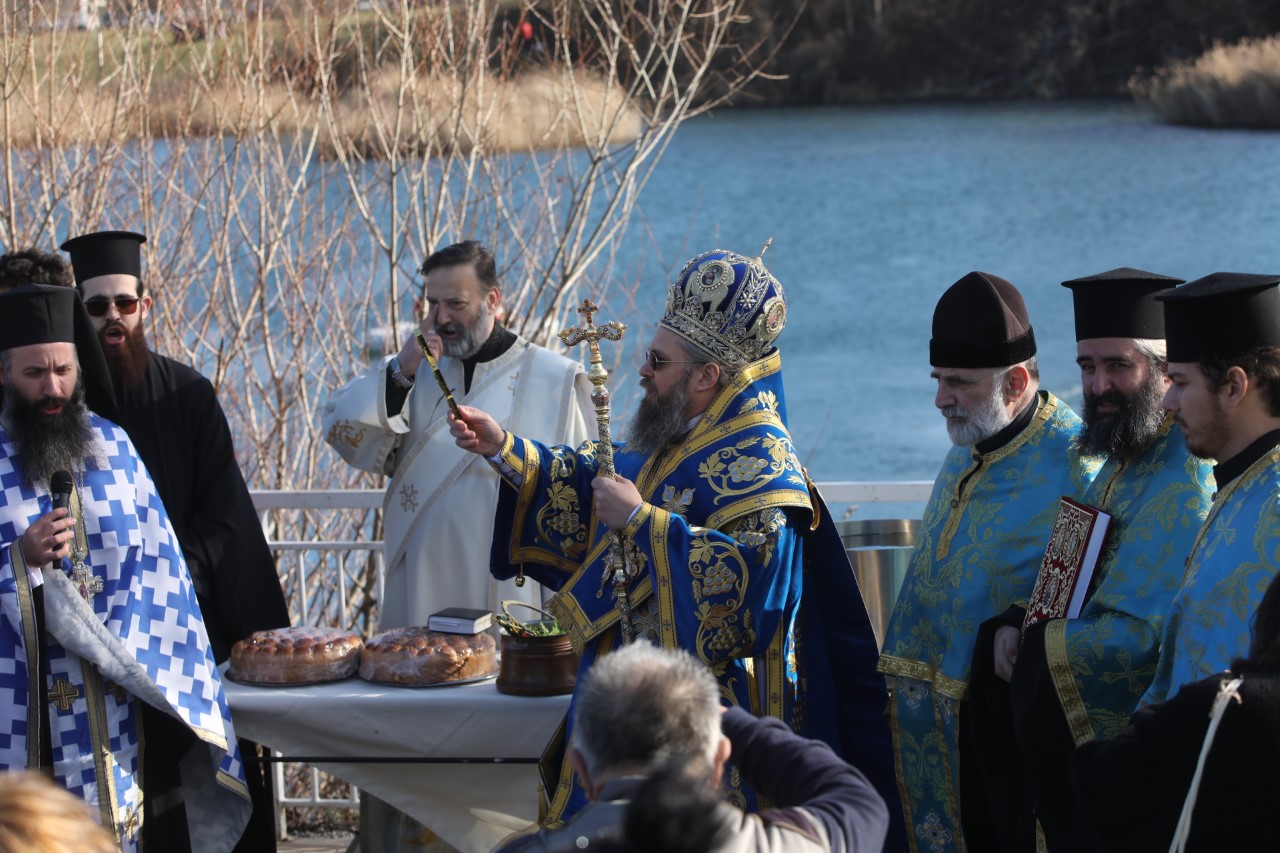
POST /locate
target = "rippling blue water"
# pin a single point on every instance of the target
(874, 211)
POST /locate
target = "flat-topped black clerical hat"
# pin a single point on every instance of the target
(48, 314)
(1224, 314)
(981, 321)
(105, 253)
(1120, 304)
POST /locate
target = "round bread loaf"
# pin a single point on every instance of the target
(295, 656)
(416, 657)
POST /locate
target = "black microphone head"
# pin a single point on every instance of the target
(60, 486)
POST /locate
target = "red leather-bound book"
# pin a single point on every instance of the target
(1068, 564)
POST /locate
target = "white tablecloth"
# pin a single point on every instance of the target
(472, 806)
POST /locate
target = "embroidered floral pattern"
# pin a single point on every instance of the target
(934, 833)
(766, 400)
(676, 502)
(645, 618)
(913, 692)
(728, 467)
(409, 497)
(559, 520)
(719, 581)
(346, 432)
(745, 468)
(759, 531)
(946, 707)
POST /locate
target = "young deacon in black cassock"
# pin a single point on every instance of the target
(173, 417)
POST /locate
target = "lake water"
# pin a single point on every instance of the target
(874, 211)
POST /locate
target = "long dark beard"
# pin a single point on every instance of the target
(1127, 432)
(660, 420)
(127, 361)
(48, 443)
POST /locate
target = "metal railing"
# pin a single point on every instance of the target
(296, 562)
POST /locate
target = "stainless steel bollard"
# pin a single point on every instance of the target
(879, 551)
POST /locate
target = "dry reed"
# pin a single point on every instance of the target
(1235, 85)
(535, 110)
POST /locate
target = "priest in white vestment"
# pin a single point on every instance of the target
(393, 420)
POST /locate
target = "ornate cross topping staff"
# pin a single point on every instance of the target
(617, 569)
(592, 334)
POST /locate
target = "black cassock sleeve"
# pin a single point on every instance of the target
(1130, 788)
(226, 537)
(995, 806)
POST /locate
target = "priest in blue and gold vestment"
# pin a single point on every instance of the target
(1036, 696)
(729, 551)
(1224, 361)
(98, 615)
(981, 538)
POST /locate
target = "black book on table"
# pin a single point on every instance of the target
(460, 620)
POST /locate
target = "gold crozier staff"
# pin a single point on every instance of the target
(624, 561)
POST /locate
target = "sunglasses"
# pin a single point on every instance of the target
(655, 361)
(97, 307)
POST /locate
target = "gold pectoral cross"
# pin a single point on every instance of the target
(82, 576)
(86, 582)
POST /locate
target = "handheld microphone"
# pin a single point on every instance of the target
(60, 486)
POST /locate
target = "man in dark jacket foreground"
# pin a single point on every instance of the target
(652, 742)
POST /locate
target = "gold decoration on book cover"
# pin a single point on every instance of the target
(1069, 561)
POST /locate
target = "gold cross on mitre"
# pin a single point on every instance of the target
(759, 259)
(63, 694)
(86, 582)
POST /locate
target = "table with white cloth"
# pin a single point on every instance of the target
(470, 805)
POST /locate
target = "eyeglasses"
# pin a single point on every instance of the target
(655, 361)
(97, 307)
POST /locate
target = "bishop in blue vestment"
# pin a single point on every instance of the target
(729, 551)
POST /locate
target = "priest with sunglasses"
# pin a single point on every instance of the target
(724, 544)
(173, 417)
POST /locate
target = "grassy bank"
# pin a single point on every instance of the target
(343, 80)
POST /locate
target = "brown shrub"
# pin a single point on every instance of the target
(1235, 85)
